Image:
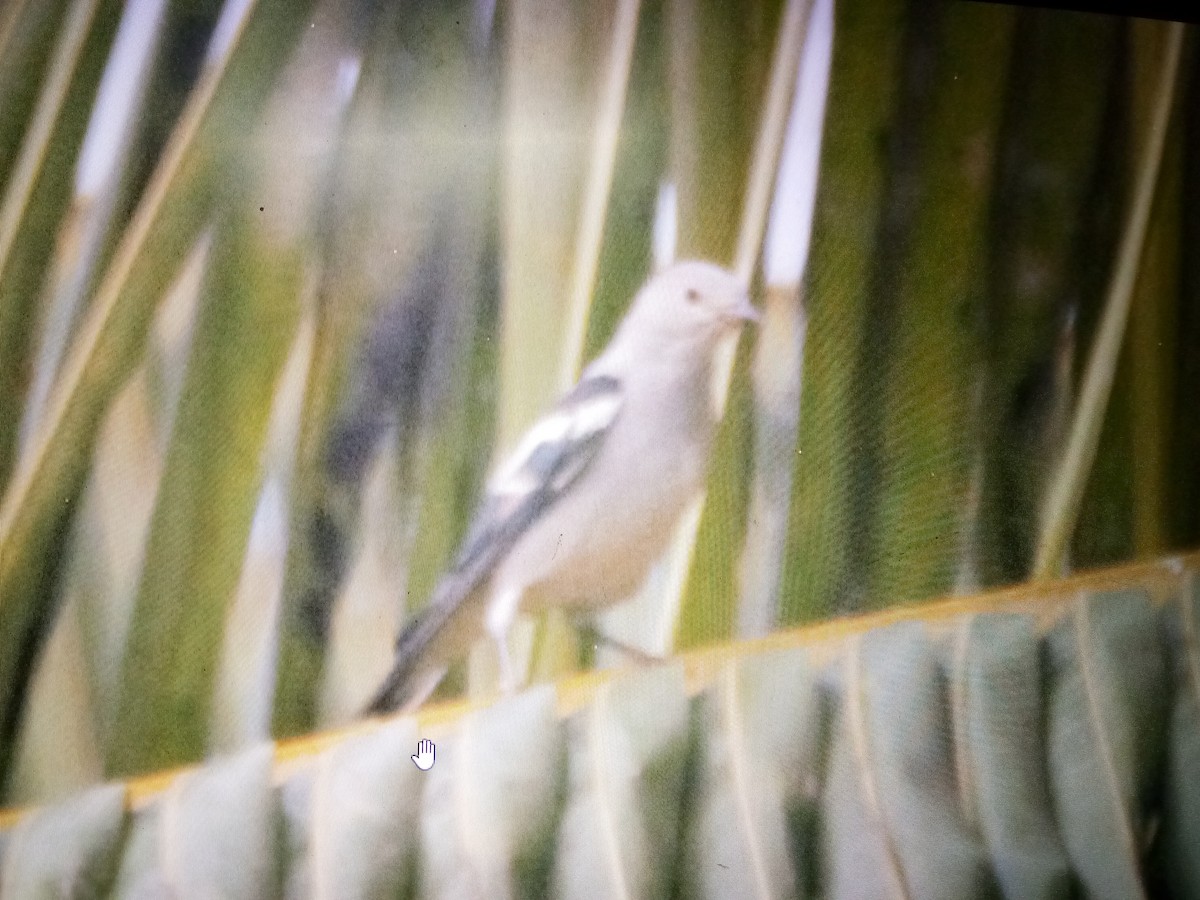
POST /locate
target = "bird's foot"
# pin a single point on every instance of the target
(595, 636)
(498, 620)
(508, 675)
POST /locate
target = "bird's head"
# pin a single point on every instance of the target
(691, 302)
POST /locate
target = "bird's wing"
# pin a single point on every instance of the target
(547, 462)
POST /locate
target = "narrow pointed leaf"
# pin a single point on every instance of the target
(621, 828)
(1181, 795)
(366, 613)
(902, 748)
(71, 698)
(997, 683)
(825, 531)
(245, 685)
(1105, 732)
(212, 834)
(762, 723)
(490, 802)
(353, 818)
(203, 512)
(922, 358)
(68, 850)
(911, 740)
(860, 861)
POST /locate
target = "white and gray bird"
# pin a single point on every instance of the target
(589, 499)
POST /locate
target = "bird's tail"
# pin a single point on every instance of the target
(411, 679)
(419, 666)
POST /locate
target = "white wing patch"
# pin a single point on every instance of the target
(547, 448)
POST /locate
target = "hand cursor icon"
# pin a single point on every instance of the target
(423, 758)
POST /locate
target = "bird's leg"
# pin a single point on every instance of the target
(501, 612)
(592, 634)
(508, 675)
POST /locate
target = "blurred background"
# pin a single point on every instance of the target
(279, 281)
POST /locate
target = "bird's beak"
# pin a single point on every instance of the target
(744, 312)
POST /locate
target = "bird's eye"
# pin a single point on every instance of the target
(692, 295)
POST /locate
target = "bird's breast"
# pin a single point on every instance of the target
(595, 546)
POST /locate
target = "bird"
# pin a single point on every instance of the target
(588, 500)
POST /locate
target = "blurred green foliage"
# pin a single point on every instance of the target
(412, 178)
